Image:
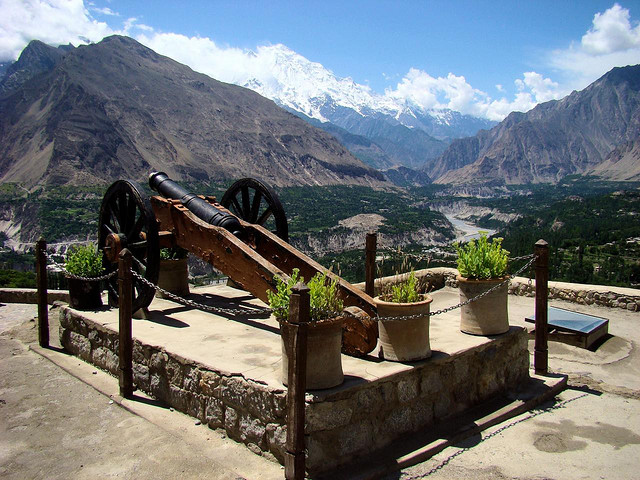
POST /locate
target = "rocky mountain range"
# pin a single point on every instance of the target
(401, 133)
(117, 109)
(595, 131)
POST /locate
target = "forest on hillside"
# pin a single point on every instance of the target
(592, 228)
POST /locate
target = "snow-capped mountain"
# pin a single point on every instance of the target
(396, 126)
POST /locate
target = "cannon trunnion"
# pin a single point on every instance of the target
(245, 237)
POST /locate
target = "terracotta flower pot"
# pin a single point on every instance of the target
(487, 315)
(324, 357)
(174, 277)
(84, 295)
(404, 340)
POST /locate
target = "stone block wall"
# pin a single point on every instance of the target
(341, 424)
(247, 411)
(613, 297)
(581, 294)
(347, 424)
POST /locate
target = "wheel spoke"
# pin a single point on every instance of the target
(137, 245)
(235, 207)
(255, 206)
(108, 228)
(114, 217)
(130, 214)
(122, 211)
(140, 264)
(112, 289)
(136, 229)
(264, 217)
(245, 203)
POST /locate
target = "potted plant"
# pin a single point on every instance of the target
(324, 338)
(174, 272)
(482, 266)
(404, 321)
(84, 261)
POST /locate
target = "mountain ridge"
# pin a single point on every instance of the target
(572, 135)
(306, 87)
(117, 109)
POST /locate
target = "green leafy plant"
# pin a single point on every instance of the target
(481, 259)
(323, 296)
(407, 291)
(84, 260)
(173, 253)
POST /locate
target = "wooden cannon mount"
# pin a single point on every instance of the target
(245, 250)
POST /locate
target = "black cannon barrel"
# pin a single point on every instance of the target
(161, 183)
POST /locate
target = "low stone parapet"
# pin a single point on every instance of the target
(342, 423)
(248, 411)
(614, 297)
(345, 425)
(30, 295)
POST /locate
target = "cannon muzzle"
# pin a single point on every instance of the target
(161, 183)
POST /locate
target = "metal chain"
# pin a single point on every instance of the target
(196, 305)
(78, 277)
(491, 435)
(466, 302)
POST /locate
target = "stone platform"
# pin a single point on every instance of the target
(225, 371)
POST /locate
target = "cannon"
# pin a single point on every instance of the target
(245, 236)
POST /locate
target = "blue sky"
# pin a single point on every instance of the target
(502, 55)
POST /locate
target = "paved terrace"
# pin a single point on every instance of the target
(595, 436)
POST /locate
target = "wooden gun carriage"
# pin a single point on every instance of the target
(231, 235)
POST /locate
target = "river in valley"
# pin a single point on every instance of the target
(466, 231)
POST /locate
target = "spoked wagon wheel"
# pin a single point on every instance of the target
(127, 221)
(255, 202)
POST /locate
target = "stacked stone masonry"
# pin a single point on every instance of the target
(571, 292)
(249, 412)
(347, 424)
(341, 424)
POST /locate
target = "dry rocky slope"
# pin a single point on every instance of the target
(117, 109)
(594, 131)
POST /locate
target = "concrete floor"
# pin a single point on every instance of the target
(44, 435)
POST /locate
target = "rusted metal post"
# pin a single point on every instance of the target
(541, 351)
(370, 263)
(41, 283)
(125, 349)
(294, 460)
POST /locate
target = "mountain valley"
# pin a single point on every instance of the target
(72, 120)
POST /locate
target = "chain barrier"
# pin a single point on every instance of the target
(67, 274)
(196, 305)
(446, 461)
(532, 258)
(261, 310)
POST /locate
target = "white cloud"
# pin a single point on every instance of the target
(105, 11)
(420, 88)
(51, 21)
(611, 32)
(453, 92)
(228, 64)
(612, 41)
